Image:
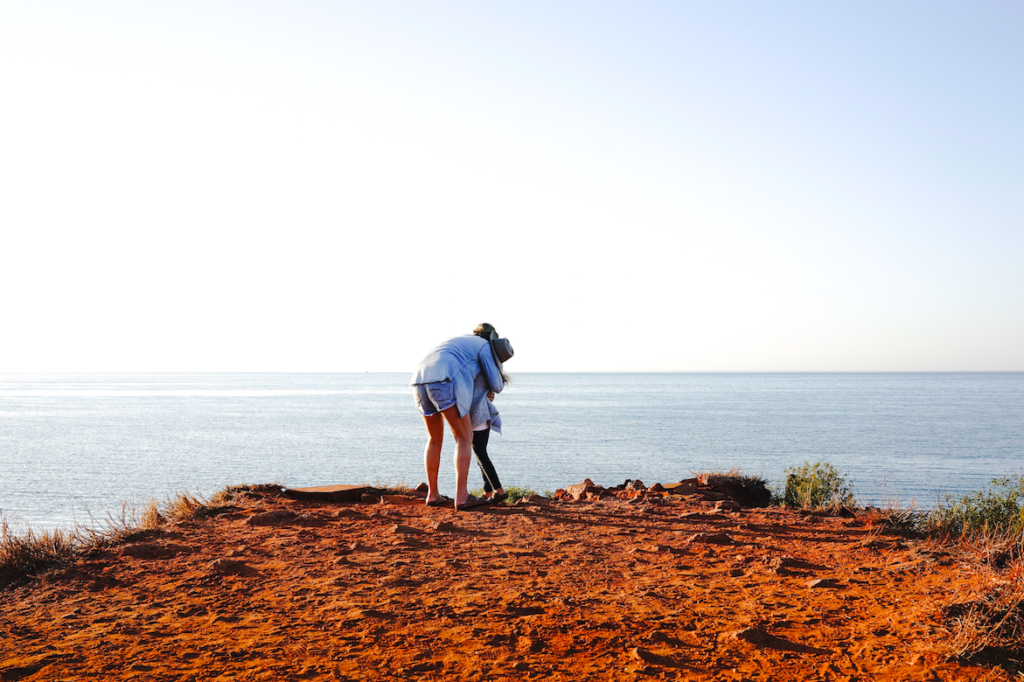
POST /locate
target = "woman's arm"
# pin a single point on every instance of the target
(491, 371)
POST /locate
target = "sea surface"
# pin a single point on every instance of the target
(74, 447)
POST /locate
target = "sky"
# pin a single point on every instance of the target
(617, 186)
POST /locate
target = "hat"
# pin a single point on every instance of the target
(501, 348)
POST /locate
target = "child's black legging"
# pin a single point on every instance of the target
(480, 439)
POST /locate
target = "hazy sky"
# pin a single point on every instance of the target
(651, 186)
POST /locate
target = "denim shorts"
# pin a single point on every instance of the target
(435, 397)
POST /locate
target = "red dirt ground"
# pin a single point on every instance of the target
(656, 588)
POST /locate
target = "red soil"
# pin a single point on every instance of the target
(664, 588)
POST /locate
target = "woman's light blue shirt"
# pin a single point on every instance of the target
(483, 414)
(460, 360)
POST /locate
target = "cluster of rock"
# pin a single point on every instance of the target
(739, 490)
(731, 492)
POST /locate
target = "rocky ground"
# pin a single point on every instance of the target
(657, 587)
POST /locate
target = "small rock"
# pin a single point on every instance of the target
(360, 614)
(656, 488)
(587, 483)
(684, 487)
(711, 539)
(645, 655)
(443, 526)
(428, 667)
(327, 493)
(736, 572)
(271, 518)
(359, 547)
(230, 567)
(753, 635)
(874, 543)
(822, 582)
(520, 611)
(423, 488)
(727, 505)
(786, 565)
(401, 500)
(399, 529)
(635, 484)
(584, 491)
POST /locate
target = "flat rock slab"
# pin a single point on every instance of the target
(329, 493)
(684, 487)
(402, 500)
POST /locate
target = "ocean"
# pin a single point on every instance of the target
(73, 447)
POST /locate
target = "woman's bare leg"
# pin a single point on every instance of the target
(432, 454)
(463, 430)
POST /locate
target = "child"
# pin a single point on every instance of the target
(481, 434)
(484, 417)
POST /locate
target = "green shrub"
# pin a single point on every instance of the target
(996, 510)
(817, 486)
(514, 494)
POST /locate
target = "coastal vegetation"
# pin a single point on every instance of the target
(515, 494)
(987, 527)
(998, 509)
(26, 552)
(817, 486)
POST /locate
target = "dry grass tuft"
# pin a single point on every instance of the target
(123, 525)
(991, 548)
(388, 487)
(992, 621)
(987, 529)
(151, 518)
(704, 477)
(184, 507)
(893, 518)
(25, 554)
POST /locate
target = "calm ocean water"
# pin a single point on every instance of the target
(74, 444)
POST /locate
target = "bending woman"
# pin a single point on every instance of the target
(443, 388)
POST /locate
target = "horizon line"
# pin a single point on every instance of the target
(827, 371)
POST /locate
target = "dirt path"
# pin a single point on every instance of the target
(277, 589)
